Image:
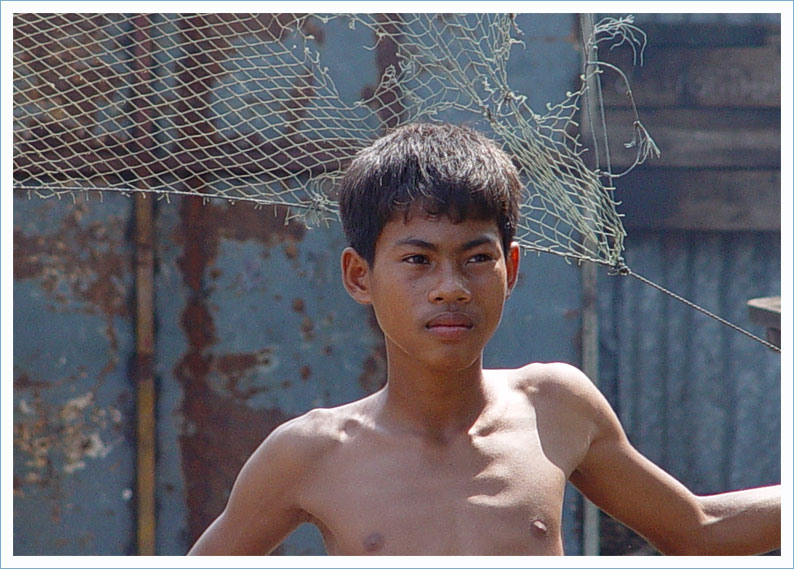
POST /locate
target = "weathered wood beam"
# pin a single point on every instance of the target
(718, 200)
(718, 77)
(701, 138)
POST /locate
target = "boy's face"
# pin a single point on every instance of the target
(437, 287)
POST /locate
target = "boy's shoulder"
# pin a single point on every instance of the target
(549, 378)
(289, 456)
(320, 429)
(556, 385)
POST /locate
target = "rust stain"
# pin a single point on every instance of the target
(373, 376)
(221, 430)
(268, 224)
(234, 364)
(24, 381)
(314, 28)
(386, 101)
(291, 251)
(85, 259)
(72, 81)
(241, 372)
(239, 222)
(307, 328)
(57, 59)
(199, 328)
(221, 435)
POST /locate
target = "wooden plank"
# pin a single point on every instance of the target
(766, 312)
(701, 138)
(721, 200)
(715, 77)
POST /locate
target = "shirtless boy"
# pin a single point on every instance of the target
(448, 458)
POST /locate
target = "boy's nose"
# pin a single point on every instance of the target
(450, 287)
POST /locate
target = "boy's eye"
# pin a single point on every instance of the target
(415, 259)
(481, 258)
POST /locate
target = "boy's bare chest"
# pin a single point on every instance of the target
(496, 494)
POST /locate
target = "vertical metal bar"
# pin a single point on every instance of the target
(591, 530)
(144, 308)
(145, 387)
(591, 534)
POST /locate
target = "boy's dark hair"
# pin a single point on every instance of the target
(443, 168)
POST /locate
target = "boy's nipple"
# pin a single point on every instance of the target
(374, 542)
(539, 528)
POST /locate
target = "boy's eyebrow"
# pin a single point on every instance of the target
(477, 241)
(422, 244)
(415, 242)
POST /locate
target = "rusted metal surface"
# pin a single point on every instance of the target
(260, 340)
(73, 448)
(386, 56)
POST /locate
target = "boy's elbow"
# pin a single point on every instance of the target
(691, 544)
(686, 546)
(679, 545)
(692, 535)
(714, 535)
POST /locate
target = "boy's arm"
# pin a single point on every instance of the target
(626, 485)
(263, 507)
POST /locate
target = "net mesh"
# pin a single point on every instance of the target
(251, 108)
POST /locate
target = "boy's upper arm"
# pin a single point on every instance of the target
(263, 507)
(628, 486)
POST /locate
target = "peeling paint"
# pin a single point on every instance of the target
(60, 438)
(242, 373)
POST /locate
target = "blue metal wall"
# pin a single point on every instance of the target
(74, 448)
(698, 398)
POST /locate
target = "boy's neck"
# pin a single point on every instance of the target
(435, 405)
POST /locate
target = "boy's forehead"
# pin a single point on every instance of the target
(420, 220)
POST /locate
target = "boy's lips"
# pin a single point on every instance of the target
(450, 320)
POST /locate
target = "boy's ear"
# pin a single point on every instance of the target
(355, 276)
(512, 261)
